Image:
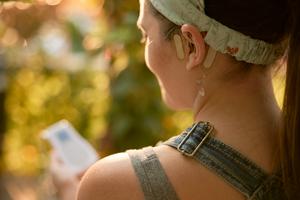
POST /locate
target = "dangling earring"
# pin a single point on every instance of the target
(200, 94)
(209, 60)
(201, 91)
(211, 54)
(210, 57)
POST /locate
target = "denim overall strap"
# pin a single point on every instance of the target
(153, 180)
(226, 162)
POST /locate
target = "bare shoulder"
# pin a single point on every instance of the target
(110, 178)
(113, 177)
(191, 180)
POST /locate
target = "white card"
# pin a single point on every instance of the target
(76, 153)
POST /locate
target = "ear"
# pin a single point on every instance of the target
(195, 46)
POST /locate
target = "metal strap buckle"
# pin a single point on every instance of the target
(211, 128)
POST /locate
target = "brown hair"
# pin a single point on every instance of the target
(167, 28)
(273, 21)
(290, 136)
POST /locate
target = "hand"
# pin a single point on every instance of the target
(65, 182)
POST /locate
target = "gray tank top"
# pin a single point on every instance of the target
(197, 143)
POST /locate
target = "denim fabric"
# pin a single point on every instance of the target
(152, 177)
(234, 168)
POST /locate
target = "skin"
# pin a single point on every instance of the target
(239, 103)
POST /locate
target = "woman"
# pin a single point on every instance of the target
(215, 58)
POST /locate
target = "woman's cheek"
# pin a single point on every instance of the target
(150, 57)
(155, 57)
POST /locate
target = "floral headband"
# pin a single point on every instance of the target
(219, 37)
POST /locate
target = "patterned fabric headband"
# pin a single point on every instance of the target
(219, 37)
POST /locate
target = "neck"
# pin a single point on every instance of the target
(242, 109)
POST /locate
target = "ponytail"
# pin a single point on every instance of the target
(290, 134)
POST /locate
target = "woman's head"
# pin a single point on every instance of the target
(179, 75)
(174, 73)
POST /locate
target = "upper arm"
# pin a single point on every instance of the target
(110, 178)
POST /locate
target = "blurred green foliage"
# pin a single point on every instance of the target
(136, 116)
(84, 63)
